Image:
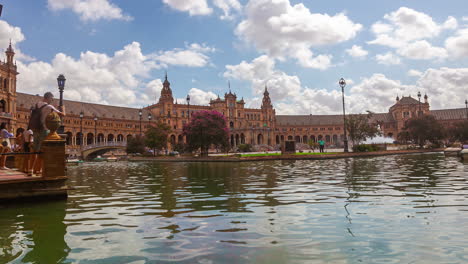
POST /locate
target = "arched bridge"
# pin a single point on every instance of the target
(101, 148)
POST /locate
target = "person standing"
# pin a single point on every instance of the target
(6, 146)
(41, 131)
(18, 147)
(28, 161)
(321, 145)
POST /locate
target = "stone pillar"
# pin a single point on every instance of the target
(54, 158)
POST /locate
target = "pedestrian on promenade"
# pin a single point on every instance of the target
(321, 145)
(18, 147)
(28, 161)
(6, 145)
(39, 128)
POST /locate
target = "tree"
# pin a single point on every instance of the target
(156, 136)
(204, 129)
(135, 145)
(422, 129)
(312, 144)
(459, 131)
(360, 128)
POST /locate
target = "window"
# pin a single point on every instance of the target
(322, 129)
(330, 128)
(406, 114)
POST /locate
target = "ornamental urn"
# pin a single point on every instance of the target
(53, 122)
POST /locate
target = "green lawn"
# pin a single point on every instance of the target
(315, 153)
(261, 154)
(279, 154)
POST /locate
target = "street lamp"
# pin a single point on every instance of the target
(419, 99)
(149, 118)
(81, 129)
(95, 129)
(466, 107)
(61, 85)
(140, 113)
(188, 107)
(342, 83)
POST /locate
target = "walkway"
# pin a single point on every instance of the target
(14, 175)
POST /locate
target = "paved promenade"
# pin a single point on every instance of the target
(317, 156)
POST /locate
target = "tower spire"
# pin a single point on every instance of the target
(10, 53)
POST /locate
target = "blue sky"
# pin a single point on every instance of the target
(116, 51)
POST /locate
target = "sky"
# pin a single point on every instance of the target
(118, 51)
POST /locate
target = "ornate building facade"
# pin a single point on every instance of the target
(90, 124)
(8, 75)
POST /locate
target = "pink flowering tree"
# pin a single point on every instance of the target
(206, 128)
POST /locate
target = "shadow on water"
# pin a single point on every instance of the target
(35, 235)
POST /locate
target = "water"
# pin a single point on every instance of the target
(393, 209)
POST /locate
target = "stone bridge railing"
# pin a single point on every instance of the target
(105, 144)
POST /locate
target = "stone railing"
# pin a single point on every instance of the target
(5, 114)
(106, 144)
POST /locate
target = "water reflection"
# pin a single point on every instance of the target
(35, 235)
(384, 209)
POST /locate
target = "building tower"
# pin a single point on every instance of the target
(166, 92)
(166, 100)
(10, 53)
(8, 88)
(268, 115)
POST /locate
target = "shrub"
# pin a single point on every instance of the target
(180, 147)
(245, 148)
(365, 148)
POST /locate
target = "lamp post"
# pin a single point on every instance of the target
(149, 118)
(61, 85)
(466, 108)
(419, 99)
(81, 129)
(342, 83)
(95, 129)
(140, 113)
(188, 107)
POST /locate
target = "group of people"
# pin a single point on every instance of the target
(27, 143)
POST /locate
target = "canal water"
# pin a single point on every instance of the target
(392, 209)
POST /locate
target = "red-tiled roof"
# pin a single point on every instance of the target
(314, 120)
(89, 109)
(449, 114)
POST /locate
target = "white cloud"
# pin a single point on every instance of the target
(387, 59)
(422, 50)
(406, 30)
(446, 87)
(152, 91)
(94, 77)
(193, 7)
(15, 35)
(260, 72)
(100, 78)
(414, 73)
(357, 51)
(450, 23)
(457, 45)
(227, 6)
(200, 97)
(290, 97)
(192, 56)
(405, 25)
(282, 30)
(90, 10)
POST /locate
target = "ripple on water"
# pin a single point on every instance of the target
(393, 209)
